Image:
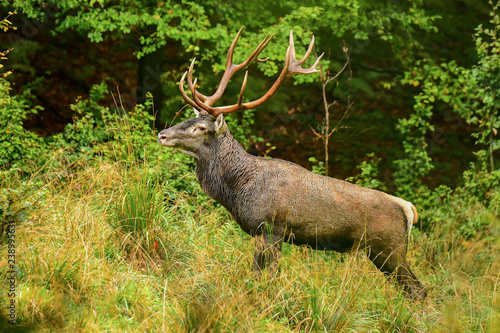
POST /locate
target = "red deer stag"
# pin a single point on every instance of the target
(275, 200)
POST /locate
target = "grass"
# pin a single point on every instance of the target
(113, 248)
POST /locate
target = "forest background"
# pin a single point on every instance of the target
(86, 85)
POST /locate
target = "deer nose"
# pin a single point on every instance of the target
(162, 137)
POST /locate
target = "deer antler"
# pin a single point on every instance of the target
(292, 66)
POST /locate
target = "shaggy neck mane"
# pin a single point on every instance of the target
(225, 171)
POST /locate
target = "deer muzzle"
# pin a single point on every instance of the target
(164, 138)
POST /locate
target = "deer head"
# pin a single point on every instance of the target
(194, 134)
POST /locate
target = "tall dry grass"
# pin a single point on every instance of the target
(184, 266)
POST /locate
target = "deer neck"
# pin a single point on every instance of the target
(225, 170)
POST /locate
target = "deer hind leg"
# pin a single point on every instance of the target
(395, 266)
(267, 252)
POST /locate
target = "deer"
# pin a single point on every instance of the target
(278, 201)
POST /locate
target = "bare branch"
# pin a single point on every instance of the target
(325, 80)
(340, 121)
(316, 133)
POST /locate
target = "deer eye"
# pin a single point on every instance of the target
(199, 128)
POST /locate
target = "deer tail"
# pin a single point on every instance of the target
(415, 214)
(411, 215)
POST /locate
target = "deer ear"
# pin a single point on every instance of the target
(196, 112)
(220, 124)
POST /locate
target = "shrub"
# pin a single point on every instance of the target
(19, 147)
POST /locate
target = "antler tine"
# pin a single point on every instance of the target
(236, 107)
(230, 52)
(231, 67)
(183, 93)
(255, 53)
(290, 52)
(198, 102)
(308, 52)
(316, 63)
(190, 81)
(242, 90)
(190, 73)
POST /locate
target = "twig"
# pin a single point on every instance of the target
(325, 80)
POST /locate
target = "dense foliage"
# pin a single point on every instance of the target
(416, 112)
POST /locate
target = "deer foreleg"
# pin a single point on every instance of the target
(267, 252)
